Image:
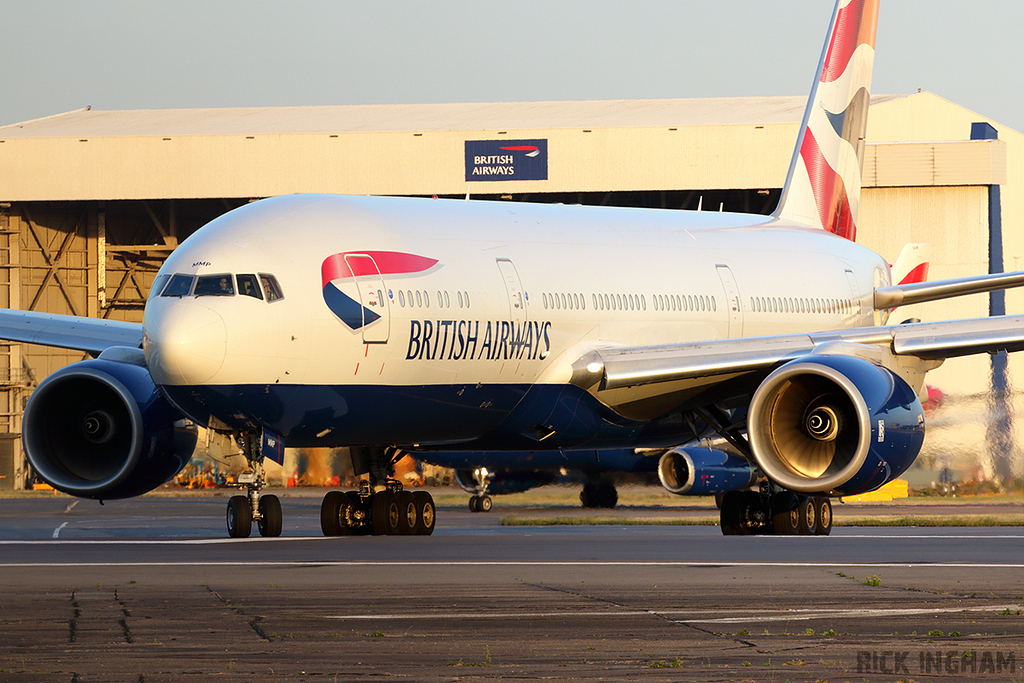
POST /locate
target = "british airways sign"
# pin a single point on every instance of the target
(506, 160)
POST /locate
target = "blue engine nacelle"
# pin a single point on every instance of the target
(101, 429)
(703, 471)
(834, 424)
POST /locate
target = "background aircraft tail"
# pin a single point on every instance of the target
(823, 185)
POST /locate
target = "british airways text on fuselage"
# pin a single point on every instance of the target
(478, 340)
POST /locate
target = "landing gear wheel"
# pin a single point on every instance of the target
(384, 513)
(425, 510)
(733, 507)
(824, 508)
(270, 517)
(329, 510)
(588, 496)
(607, 495)
(785, 514)
(474, 503)
(408, 517)
(357, 507)
(483, 504)
(239, 517)
(808, 515)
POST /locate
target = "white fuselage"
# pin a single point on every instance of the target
(517, 294)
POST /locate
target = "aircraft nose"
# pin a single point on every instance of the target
(185, 344)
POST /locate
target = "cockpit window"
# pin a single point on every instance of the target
(158, 284)
(215, 285)
(180, 285)
(271, 287)
(248, 286)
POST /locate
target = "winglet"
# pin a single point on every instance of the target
(823, 185)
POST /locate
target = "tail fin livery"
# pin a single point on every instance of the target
(912, 265)
(823, 185)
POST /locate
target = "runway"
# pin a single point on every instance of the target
(151, 590)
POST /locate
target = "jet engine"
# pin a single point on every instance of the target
(834, 424)
(101, 429)
(703, 471)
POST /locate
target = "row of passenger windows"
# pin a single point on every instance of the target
(223, 284)
(630, 302)
(774, 304)
(421, 299)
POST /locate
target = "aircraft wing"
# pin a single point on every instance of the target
(625, 367)
(92, 335)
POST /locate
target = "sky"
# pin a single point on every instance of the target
(60, 56)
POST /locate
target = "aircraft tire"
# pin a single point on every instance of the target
(239, 517)
(356, 503)
(271, 520)
(607, 495)
(824, 506)
(329, 513)
(408, 515)
(484, 504)
(785, 514)
(733, 504)
(808, 515)
(474, 503)
(426, 511)
(588, 496)
(384, 513)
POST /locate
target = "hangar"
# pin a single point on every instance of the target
(92, 201)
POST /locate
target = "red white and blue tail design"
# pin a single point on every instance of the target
(824, 181)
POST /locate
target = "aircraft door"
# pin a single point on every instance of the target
(733, 305)
(854, 295)
(514, 289)
(373, 296)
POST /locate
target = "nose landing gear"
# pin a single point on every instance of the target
(246, 509)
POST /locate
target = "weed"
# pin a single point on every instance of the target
(872, 581)
(936, 632)
(830, 632)
(809, 632)
(744, 632)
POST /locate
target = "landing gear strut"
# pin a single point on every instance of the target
(381, 507)
(245, 509)
(777, 512)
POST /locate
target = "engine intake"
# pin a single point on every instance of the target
(834, 424)
(696, 471)
(101, 429)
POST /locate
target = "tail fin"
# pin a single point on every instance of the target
(912, 265)
(823, 185)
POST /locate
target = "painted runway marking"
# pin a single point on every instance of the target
(584, 563)
(775, 615)
(56, 532)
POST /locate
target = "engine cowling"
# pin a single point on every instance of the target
(836, 424)
(702, 471)
(101, 429)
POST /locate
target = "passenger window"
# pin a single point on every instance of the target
(180, 285)
(419, 298)
(401, 299)
(249, 286)
(158, 284)
(447, 300)
(271, 288)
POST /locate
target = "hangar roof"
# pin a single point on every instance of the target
(84, 123)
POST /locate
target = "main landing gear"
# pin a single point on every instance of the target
(599, 493)
(245, 509)
(778, 512)
(381, 507)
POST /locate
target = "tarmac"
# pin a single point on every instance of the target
(150, 589)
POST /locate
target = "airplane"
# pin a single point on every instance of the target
(752, 352)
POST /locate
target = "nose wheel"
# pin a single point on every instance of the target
(480, 501)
